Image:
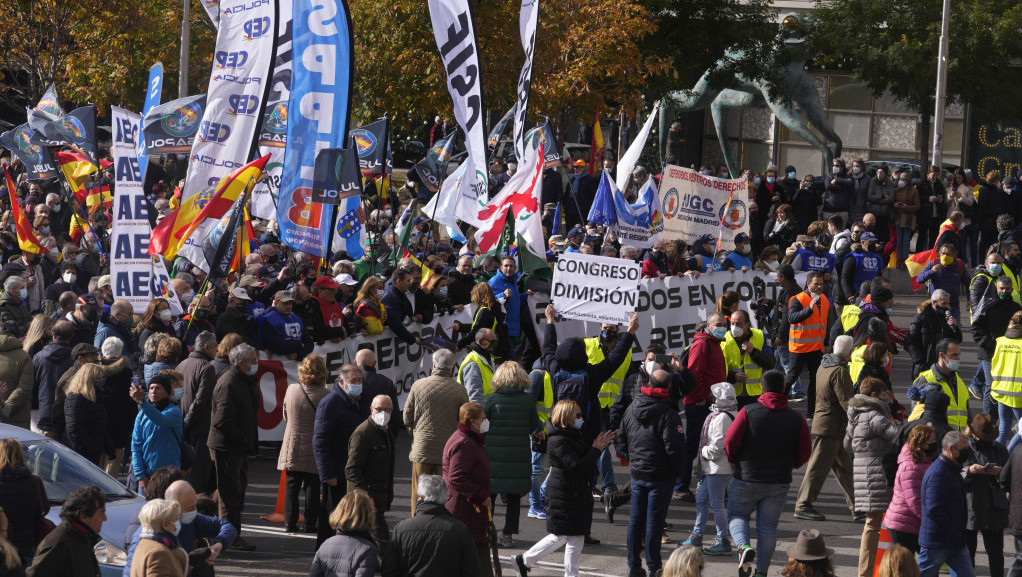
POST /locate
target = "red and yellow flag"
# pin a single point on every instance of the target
(171, 233)
(26, 238)
(596, 146)
(76, 169)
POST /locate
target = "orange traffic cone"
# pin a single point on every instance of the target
(278, 510)
(883, 545)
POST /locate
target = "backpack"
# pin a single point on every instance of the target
(574, 387)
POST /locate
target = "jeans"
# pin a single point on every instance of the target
(537, 494)
(784, 360)
(811, 362)
(710, 493)
(695, 416)
(650, 500)
(904, 236)
(957, 561)
(767, 501)
(1008, 416)
(988, 402)
(605, 464)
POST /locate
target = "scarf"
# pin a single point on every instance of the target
(655, 393)
(166, 539)
(375, 306)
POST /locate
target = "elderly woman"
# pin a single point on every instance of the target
(569, 501)
(467, 472)
(156, 439)
(296, 456)
(869, 435)
(158, 553)
(85, 415)
(352, 551)
(22, 496)
(512, 415)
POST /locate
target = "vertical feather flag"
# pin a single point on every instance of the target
(596, 146)
(26, 238)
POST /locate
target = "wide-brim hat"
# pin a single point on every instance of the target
(809, 547)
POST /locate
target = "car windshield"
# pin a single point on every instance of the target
(62, 471)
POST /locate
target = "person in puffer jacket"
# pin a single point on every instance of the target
(871, 430)
(905, 512)
(715, 470)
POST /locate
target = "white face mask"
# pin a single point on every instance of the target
(381, 418)
(379, 293)
(856, 170)
(484, 426)
(165, 315)
(835, 169)
(70, 277)
(773, 264)
(737, 332)
(651, 367)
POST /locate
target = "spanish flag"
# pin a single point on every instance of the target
(596, 147)
(76, 168)
(915, 263)
(26, 238)
(214, 202)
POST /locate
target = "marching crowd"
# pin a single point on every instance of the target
(169, 402)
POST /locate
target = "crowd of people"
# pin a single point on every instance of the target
(168, 403)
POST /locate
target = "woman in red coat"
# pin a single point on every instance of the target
(467, 472)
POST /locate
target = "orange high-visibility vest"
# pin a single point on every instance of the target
(808, 335)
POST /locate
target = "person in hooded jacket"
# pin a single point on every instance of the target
(871, 430)
(984, 497)
(568, 497)
(880, 202)
(651, 439)
(904, 513)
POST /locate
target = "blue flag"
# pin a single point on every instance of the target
(152, 99)
(556, 229)
(603, 212)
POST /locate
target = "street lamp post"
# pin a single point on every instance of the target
(941, 96)
(186, 40)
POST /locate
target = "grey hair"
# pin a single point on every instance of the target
(939, 294)
(155, 513)
(240, 353)
(153, 343)
(432, 489)
(122, 307)
(951, 439)
(443, 359)
(842, 345)
(187, 277)
(204, 340)
(52, 196)
(12, 283)
(113, 347)
(629, 252)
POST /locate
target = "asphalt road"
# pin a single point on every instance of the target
(286, 555)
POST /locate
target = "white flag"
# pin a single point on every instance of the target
(631, 156)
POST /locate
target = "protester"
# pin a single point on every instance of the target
(155, 440)
(68, 550)
(943, 511)
(809, 313)
(370, 465)
(931, 326)
(809, 556)
(898, 562)
(715, 471)
(85, 416)
(351, 552)
(199, 379)
(987, 504)
(684, 562)
(431, 542)
(15, 382)
(22, 497)
(10, 562)
(49, 364)
(296, 455)
(707, 362)
(158, 552)
(466, 469)
(943, 377)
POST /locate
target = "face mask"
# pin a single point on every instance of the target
(355, 390)
(56, 208)
(442, 291)
(756, 181)
(771, 179)
(46, 230)
(994, 269)
(737, 332)
(79, 258)
(719, 333)
(608, 335)
(187, 518)
(946, 259)
(1004, 296)
(744, 249)
(484, 426)
(252, 370)
(177, 527)
(201, 314)
(379, 293)
(70, 277)
(178, 393)
(880, 175)
(23, 294)
(381, 419)
(856, 170)
(578, 423)
(187, 297)
(952, 365)
(903, 183)
(165, 315)
(652, 367)
(887, 361)
(889, 311)
(835, 170)
(54, 253)
(791, 175)
(964, 455)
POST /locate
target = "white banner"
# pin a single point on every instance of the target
(273, 133)
(134, 275)
(528, 21)
(694, 205)
(402, 363)
(234, 99)
(455, 37)
(595, 288)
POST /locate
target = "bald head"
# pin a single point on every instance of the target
(382, 402)
(184, 494)
(365, 358)
(486, 338)
(660, 379)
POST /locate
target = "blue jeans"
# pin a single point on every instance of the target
(605, 464)
(904, 236)
(710, 493)
(767, 501)
(538, 493)
(957, 561)
(650, 500)
(1007, 417)
(988, 403)
(784, 359)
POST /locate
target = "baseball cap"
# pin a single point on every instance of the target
(284, 296)
(82, 349)
(867, 236)
(576, 231)
(326, 282)
(580, 162)
(741, 237)
(345, 279)
(248, 280)
(240, 293)
(103, 281)
(267, 271)
(557, 240)
(706, 239)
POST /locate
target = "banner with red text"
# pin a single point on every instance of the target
(694, 205)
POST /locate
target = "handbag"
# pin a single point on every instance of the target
(538, 443)
(43, 526)
(998, 498)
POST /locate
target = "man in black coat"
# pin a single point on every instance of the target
(397, 305)
(432, 543)
(652, 439)
(929, 328)
(370, 465)
(49, 364)
(578, 198)
(199, 379)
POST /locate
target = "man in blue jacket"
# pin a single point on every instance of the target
(399, 308)
(337, 417)
(942, 531)
(505, 288)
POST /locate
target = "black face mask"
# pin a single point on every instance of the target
(964, 455)
(201, 314)
(608, 335)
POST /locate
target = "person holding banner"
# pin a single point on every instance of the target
(809, 314)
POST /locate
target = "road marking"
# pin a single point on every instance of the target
(275, 531)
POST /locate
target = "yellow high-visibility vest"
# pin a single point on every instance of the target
(957, 411)
(544, 406)
(610, 391)
(484, 368)
(850, 318)
(735, 358)
(1006, 372)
